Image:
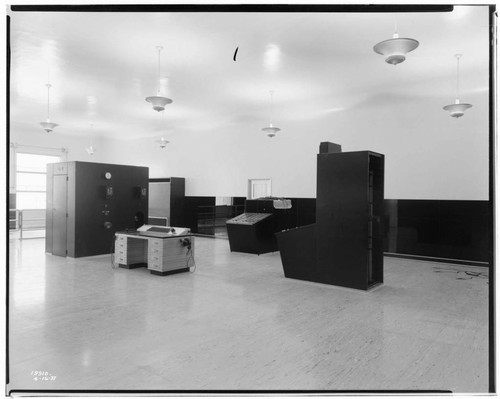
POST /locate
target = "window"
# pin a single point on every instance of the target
(31, 179)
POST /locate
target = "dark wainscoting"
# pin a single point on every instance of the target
(203, 217)
(450, 231)
(193, 207)
(443, 229)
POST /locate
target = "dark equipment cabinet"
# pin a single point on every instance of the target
(251, 233)
(88, 202)
(345, 246)
(298, 253)
(177, 192)
(348, 221)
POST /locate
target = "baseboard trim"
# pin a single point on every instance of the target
(209, 236)
(442, 260)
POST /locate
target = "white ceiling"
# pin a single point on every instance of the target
(103, 65)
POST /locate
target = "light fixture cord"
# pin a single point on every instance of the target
(396, 34)
(159, 71)
(271, 92)
(458, 69)
(48, 101)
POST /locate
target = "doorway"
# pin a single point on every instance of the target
(259, 188)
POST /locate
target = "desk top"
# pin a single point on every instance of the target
(174, 232)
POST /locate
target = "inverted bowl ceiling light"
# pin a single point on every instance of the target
(458, 109)
(394, 50)
(162, 142)
(48, 126)
(271, 130)
(158, 101)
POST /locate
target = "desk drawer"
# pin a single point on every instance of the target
(120, 260)
(155, 243)
(154, 265)
(154, 259)
(121, 239)
(121, 253)
(121, 245)
(155, 251)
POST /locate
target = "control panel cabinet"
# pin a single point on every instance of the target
(88, 202)
(251, 233)
(349, 213)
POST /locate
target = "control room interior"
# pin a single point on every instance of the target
(250, 199)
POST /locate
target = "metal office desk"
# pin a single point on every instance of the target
(162, 253)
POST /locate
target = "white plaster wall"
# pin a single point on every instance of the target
(58, 138)
(428, 154)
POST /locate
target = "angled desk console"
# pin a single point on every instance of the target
(164, 250)
(251, 233)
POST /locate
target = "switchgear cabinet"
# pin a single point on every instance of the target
(88, 202)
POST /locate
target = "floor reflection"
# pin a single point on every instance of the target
(237, 323)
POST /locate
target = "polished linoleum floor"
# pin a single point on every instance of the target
(237, 323)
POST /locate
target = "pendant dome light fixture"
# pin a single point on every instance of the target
(162, 142)
(395, 49)
(271, 130)
(458, 109)
(48, 126)
(158, 101)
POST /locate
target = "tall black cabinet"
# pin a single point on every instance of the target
(345, 246)
(349, 211)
